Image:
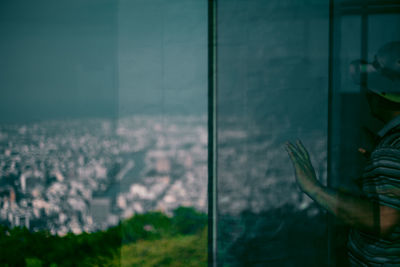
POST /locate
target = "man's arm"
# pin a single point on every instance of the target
(357, 212)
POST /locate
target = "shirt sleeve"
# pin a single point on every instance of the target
(381, 177)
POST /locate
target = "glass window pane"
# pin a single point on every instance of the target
(103, 132)
(272, 86)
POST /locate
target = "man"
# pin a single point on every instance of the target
(375, 219)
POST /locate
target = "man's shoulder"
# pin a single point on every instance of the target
(390, 139)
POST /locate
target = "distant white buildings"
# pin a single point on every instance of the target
(10, 211)
(62, 170)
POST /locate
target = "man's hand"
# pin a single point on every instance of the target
(304, 171)
(360, 213)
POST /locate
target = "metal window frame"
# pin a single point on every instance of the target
(212, 134)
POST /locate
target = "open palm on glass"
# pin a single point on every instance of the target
(304, 170)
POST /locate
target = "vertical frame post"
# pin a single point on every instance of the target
(212, 135)
(333, 123)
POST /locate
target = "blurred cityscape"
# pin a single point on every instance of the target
(88, 174)
(252, 158)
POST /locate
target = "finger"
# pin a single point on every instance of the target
(292, 156)
(303, 150)
(297, 160)
(296, 151)
(290, 153)
(292, 148)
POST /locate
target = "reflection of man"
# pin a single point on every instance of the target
(375, 218)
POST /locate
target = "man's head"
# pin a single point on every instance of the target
(380, 80)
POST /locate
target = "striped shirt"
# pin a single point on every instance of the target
(381, 184)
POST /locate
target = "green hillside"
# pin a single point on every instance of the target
(151, 239)
(185, 251)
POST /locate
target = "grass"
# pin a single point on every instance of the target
(178, 251)
(150, 239)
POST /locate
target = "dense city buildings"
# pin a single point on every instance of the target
(87, 174)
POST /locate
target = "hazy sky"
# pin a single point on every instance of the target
(163, 56)
(102, 58)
